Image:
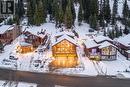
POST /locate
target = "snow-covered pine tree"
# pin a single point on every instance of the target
(114, 12)
(125, 11)
(80, 14)
(107, 12)
(126, 30)
(68, 16)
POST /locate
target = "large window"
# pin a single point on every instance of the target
(65, 47)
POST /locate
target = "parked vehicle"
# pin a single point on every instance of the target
(13, 58)
(36, 63)
(8, 62)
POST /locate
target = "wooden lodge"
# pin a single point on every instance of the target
(64, 52)
(35, 39)
(24, 47)
(100, 50)
(8, 33)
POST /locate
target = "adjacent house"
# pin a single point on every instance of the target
(8, 33)
(35, 39)
(100, 49)
(64, 52)
(108, 51)
(123, 44)
(24, 47)
(92, 50)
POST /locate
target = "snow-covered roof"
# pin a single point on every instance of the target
(125, 40)
(101, 38)
(106, 44)
(4, 28)
(64, 37)
(23, 43)
(63, 33)
(34, 31)
(90, 44)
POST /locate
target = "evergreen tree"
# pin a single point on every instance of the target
(93, 21)
(126, 31)
(86, 9)
(1, 46)
(117, 32)
(73, 12)
(120, 32)
(36, 17)
(114, 12)
(61, 16)
(68, 16)
(39, 17)
(94, 7)
(30, 11)
(19, 11)
(80, 15)
(111, 34)
(125, 11)
(64, 4)
(101, 13)
(107, 12)
(105, 33)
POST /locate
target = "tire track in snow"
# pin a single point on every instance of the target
(98, 68)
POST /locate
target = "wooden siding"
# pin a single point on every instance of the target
(65, 55)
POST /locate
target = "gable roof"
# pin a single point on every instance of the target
(64, 33)
(4, 28)
(34, 32)
(65, 37)
(125, 40)
(106, 44)
(91, 44)
(101, 38)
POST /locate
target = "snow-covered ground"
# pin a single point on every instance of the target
(16, 84)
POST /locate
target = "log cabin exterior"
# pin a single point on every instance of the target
(8, 33)
(35, 40)
(64, 52)
(24, 47)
